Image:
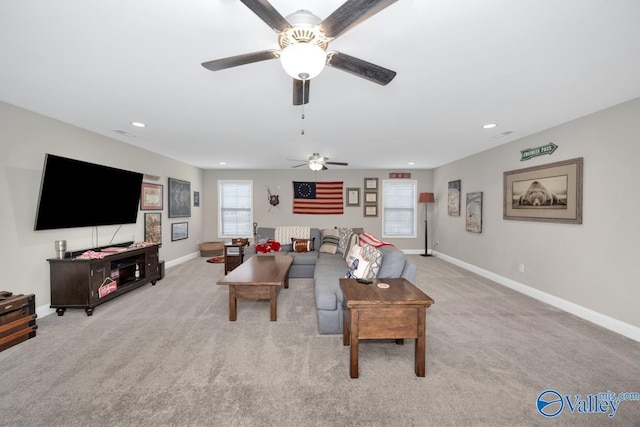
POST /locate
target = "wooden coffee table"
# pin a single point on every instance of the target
(259, 277)
(373, 313)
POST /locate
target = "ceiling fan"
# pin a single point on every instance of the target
(317, 162)
(304, 38)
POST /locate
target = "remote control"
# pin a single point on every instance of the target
(365, 281)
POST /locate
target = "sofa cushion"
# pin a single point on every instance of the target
(330, 240)
(305, 258)
(302, 245)
(393, 262)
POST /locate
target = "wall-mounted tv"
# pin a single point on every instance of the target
(74, 193)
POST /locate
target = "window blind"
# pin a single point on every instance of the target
(235, 208)
(399, 208)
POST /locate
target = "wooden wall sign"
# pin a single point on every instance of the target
(399, 175)
(530, 153)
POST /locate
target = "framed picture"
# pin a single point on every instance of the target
(196, 199)
(179, 198)
(473, 218)
(371, 197)
(371, 211)
(371, 183)
(151, 197)
(453, 198)
(153, 227)
(179, 231)
(353, 196)
(549, 193)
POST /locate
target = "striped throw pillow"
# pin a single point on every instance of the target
(330, 240)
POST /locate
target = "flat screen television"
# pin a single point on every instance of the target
(74, 193)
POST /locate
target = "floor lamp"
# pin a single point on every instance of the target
(426, 198)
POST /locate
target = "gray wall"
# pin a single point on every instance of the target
(268, 216)
(25, 137)
(595, 264)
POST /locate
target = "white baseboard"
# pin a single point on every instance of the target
(592, 316)
(182, 259)
(415, 251)
(44, 310)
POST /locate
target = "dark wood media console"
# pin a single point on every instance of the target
(75, 283)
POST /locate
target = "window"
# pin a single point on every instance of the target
(399, 208)
(235, 199)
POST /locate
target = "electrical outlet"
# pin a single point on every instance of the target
(521, 268)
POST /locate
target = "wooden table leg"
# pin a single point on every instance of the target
(353, 352)
(420, 342)
(273, 300)
(346, 339)
(286, 282)
(233, 303)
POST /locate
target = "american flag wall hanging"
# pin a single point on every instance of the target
(318, 198)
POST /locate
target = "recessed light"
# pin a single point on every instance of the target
(138, 124)
(489, 126)
(223, 163)
(412, 163)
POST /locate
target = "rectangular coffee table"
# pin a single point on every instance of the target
(397, 312)
(257, 278)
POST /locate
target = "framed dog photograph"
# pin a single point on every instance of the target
(549, 193)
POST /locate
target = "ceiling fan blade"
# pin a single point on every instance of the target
(302, 164)
(350, 14)
(337, 163)
(268, 14)
(297, 91)
(360, 68)
(234, 61)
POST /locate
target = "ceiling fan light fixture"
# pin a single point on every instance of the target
(315, 166)
(303, 61)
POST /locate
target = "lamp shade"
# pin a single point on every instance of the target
(426, 198)
(303, 59)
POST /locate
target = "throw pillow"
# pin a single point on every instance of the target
(374, 257)
(353, 241)
(353, 254)
(344, 234)
(358, 270)
(330, 240)
(302, 245)
(269, 246)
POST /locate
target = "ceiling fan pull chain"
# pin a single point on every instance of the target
(304, 77)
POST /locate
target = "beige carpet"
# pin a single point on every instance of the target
(166, 355)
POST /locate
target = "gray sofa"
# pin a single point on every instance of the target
(326, 269)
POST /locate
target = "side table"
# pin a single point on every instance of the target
(233, 255)
(396, 312)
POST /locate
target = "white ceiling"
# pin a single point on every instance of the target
(527, 65)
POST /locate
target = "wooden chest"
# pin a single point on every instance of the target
(17, 319)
